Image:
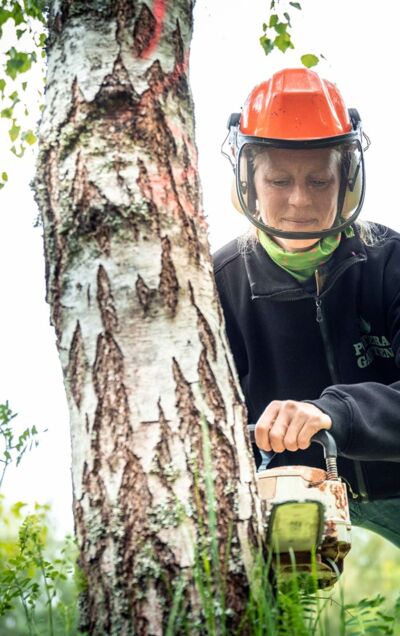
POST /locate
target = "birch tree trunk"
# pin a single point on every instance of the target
(138, 325)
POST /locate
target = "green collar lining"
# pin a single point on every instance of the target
(302, 265)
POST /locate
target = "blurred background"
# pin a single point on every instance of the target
(361, 52)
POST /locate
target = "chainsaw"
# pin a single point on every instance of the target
(307, 516)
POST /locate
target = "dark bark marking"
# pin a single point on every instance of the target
(146, 191)
(144, 31)
(112, 416)
(162, 452)
(178, 78)
(77, 366)
(191, 185)
(90, 210)
(85, 195)
(185, 403)
(168, 286)
(189, 231)
(206, 335)
(117, 98)
(105, 301)
(93, 569)
(134, 500)
(144, 293)
(54, 245)
(210, 388)
(125, 12)
(151, 131)
(225, 485)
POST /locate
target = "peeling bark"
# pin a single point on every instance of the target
(138, 324)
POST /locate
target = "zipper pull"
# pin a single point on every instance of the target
(318, 303)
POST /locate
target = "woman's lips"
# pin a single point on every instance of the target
(298, 221)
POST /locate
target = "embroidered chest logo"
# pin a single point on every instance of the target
(371, 347)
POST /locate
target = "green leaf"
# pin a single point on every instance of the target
(296, 5)
(281, 27)
(29, 137)
(14, 97)
(273, 20)
(283, 42)
(4, 15)
(309, 60)
(18, 62)
(7, 113)
(2, 85)
(267, 44)
(4, 176)
(287, 16)
(14, 131)
(17, 14)
(17, 153)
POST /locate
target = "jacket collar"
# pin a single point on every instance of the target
(268, 280)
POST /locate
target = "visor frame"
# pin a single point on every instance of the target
(303, 144)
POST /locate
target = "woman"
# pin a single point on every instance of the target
(312, 298)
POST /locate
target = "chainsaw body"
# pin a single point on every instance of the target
(307, 517)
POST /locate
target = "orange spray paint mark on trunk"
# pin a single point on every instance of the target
(159, 9)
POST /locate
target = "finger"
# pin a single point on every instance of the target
(312, 425)
(264, 423)
(279, 429)
(297, 423)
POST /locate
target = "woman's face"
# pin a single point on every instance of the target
(297, 191)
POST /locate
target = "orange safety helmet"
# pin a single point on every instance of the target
(297, 110)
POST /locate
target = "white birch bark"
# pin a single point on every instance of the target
(133, 303)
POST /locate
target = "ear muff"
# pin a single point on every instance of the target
(235, 198)
(246, 185)
(354, 186)
(351, 175)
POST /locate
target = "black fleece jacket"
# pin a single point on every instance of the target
(333, 341)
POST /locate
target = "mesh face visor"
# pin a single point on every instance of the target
(301, 190)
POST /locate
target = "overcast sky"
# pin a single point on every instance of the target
(227, 61)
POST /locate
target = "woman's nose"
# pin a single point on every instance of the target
(299, 196)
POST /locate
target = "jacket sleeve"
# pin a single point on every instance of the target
(366, 416)
(365, 419)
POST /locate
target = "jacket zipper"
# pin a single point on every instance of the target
(330, 358)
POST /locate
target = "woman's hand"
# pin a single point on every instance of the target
(289, 425)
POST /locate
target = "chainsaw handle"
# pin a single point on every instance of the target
(325, 439)
(327, 442)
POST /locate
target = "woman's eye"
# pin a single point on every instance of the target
(280, 183)
(319, 183)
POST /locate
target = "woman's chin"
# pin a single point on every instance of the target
(295, 245)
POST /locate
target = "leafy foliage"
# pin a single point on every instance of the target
(277, 34)
(38, 590)
(13, 447)
(23, 22)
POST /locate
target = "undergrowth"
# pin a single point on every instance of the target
(40, 583)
